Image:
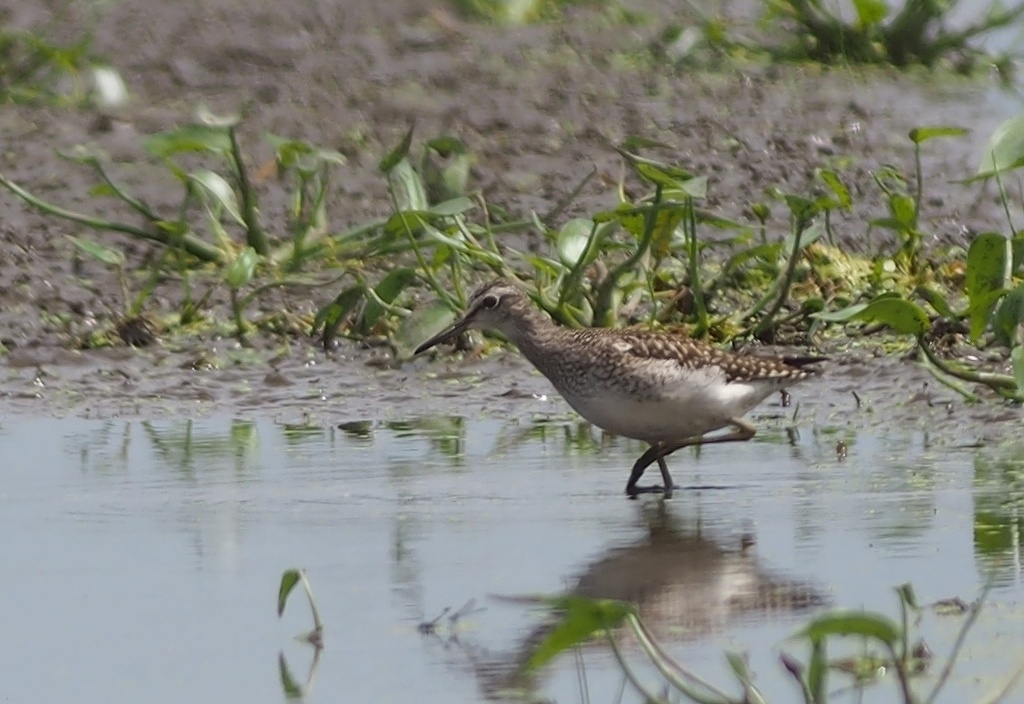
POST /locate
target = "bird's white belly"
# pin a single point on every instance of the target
(691, 410)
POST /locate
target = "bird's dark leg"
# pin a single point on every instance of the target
(658, 452)
(653, 454)
(666, 478)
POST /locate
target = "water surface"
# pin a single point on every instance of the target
(143, 558)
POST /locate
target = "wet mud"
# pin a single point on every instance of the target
(538, 106)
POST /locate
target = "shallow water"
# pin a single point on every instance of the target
(143, 559)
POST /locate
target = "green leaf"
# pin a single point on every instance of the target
(412, 221)
(907, 595)
(852, 623)
(191, 138)
(817, 670)
(903, 211)
(923, 134)
(223, 194)
(936, 301)
(455, 206)
(424, 322)
(1005, 148)
(903, 316)
(387, 291)
(331, 316)
(447, 145)
(294, 153)
(870, 12)
(580, 619)
(1009, 317)
(242, 269)
(696, 187)
(662, 174)
(407, 186)
(803, 209)
(838, 188)
(288, 581)
(291, 687)
(573, 239)
(988, 260)
(396, 155)
(459, 244)
(842, 315)
(1017, 245)
(99, 252)
(1017, 357)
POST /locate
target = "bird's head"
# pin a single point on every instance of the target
(500, 305)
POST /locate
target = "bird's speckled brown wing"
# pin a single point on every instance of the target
(693, 354)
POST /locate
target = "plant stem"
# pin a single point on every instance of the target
(254, 235)
(800, 225)
(693, 251)
(236, 309)
(195, 247)
(958, 646)
(997, 382)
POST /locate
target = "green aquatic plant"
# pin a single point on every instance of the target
(888, 644)
(993, 284)
(289, 580)
(874, 32)
(36, 70)
(217, 222)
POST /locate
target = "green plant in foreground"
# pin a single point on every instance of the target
(887, 644)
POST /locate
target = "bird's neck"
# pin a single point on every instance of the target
(539, 339)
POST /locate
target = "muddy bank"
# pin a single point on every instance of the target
(538, 106)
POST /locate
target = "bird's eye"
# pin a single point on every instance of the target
(489, 302)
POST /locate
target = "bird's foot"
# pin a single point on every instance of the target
(635, 491)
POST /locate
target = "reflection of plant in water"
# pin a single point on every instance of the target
(446, 434)
(182, 446)
(999, 514)
(292, 688)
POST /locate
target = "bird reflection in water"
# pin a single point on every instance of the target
(684, 585)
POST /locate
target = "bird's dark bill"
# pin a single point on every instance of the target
(448, 335)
